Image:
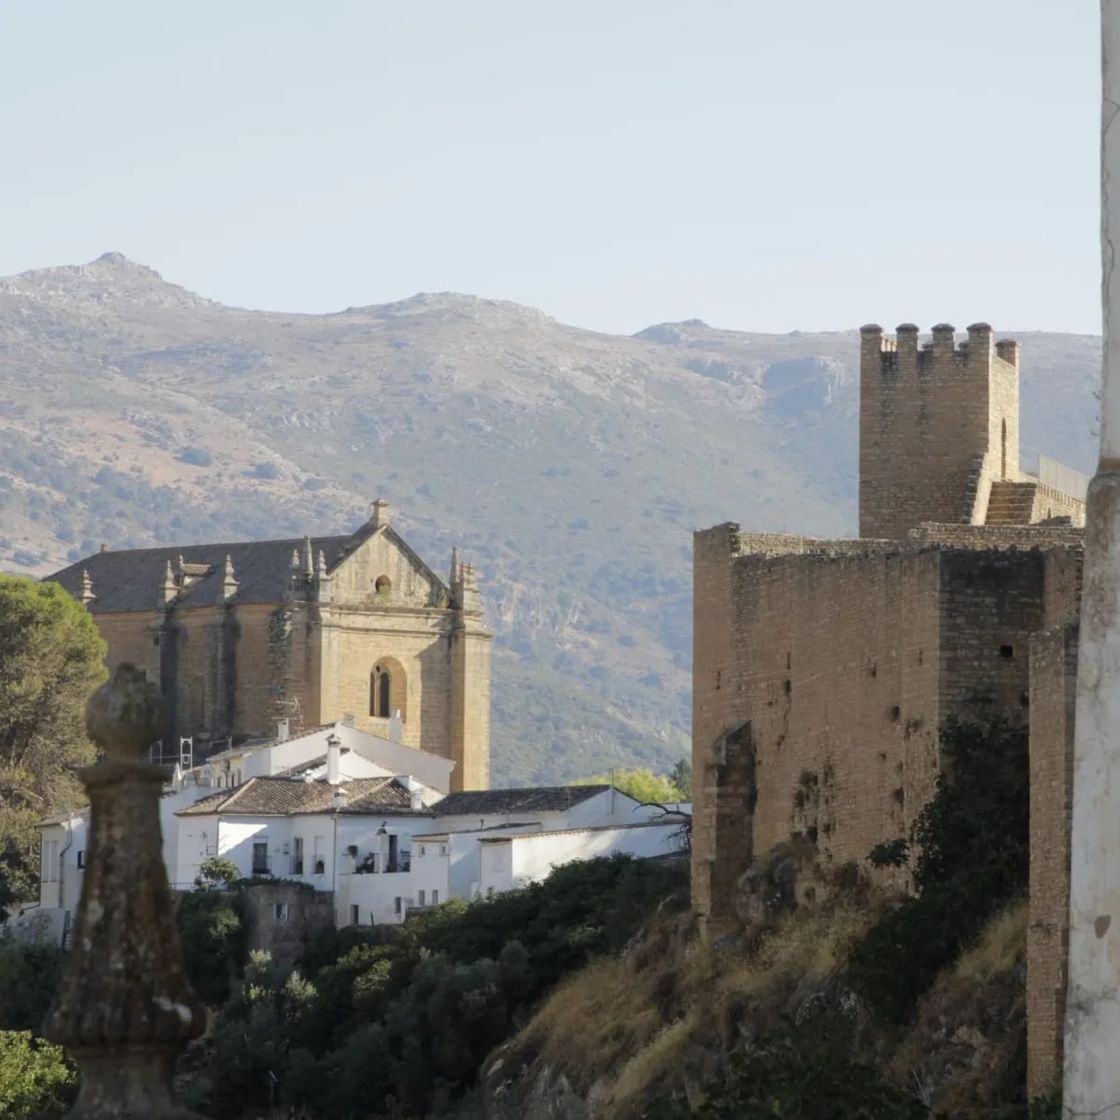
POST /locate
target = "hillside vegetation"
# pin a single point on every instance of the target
(571, 466)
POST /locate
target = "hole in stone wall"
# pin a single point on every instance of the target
(894, 714)
(1007, 653)
(787, 686)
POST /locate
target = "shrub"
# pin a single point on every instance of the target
(36, 1081)
(805, 1071)
(216, 871)
(29, 972)
(196, 456)
(212, 937)
(972, 845)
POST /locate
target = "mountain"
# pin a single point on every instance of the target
(571, 466)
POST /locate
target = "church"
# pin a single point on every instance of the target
(244, 639)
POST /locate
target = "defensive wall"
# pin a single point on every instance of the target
(835, 663)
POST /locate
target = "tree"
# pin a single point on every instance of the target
(681, 777)
(51, 659)
(643, 785)
(213, 941)
(215, 872)
(36, 1083)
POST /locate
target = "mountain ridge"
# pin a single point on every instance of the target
(570, 464)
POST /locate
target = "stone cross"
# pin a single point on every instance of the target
(1091, 1085)
(124, 1009)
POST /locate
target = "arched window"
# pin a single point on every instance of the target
(380, 682)
(383, 585)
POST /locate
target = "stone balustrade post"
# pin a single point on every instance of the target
(124, 1010)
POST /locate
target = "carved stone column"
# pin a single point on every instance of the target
(124, 1010)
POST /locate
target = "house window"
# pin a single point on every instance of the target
(297, 856)
(280, 911)
(435, 898)
(260, 857)
(355, 916)
(423, 850)
(421, 898)
(489, 892)
(443, 849)
(380, 681)
(397, 905)
(81, 857)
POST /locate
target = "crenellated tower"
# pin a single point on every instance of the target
(939, 423)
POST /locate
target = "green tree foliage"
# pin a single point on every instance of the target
(50, 661)
(804, 1071)
(644, 785)
(216, 871)
(29, 972)
(36, 1082)
(401, 1019)
(681, 777)
(211, 933)
(971, 854)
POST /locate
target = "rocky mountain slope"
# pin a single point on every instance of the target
(570, 466)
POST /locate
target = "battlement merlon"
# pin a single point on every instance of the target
(904, 353)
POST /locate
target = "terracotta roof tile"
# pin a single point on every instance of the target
(278, 796)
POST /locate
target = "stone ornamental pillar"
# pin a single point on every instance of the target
(1092, 1039)
(124, 1010)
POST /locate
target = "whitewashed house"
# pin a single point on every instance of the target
(369, 821)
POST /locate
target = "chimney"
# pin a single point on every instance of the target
(282, 731)
(416, 800)
(334, 759)
(395, 728)
(229, 581)
(338, 799)
(379, 514)
(169, 588)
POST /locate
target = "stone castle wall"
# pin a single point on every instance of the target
(1052, 691)
(844, 667)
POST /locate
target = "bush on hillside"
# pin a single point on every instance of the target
(972, 856)
(429, 999)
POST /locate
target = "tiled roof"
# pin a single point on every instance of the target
(132, 579)
(287, 796)
(541, 799)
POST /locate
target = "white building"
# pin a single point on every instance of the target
(366, 819)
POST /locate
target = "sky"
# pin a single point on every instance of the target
(769, 166)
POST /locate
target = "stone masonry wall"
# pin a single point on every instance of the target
(844, 668)
(1053, 675)
(927, 418)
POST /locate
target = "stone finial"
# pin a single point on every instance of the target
(379, 513)
(123, 716)
(321, 566)
(469, 598)
(295, 560)
(454, 577)
(308, 559)
(124, 1009)
(229, 581)
(87, 588)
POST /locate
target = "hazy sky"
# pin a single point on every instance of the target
(779, 165)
